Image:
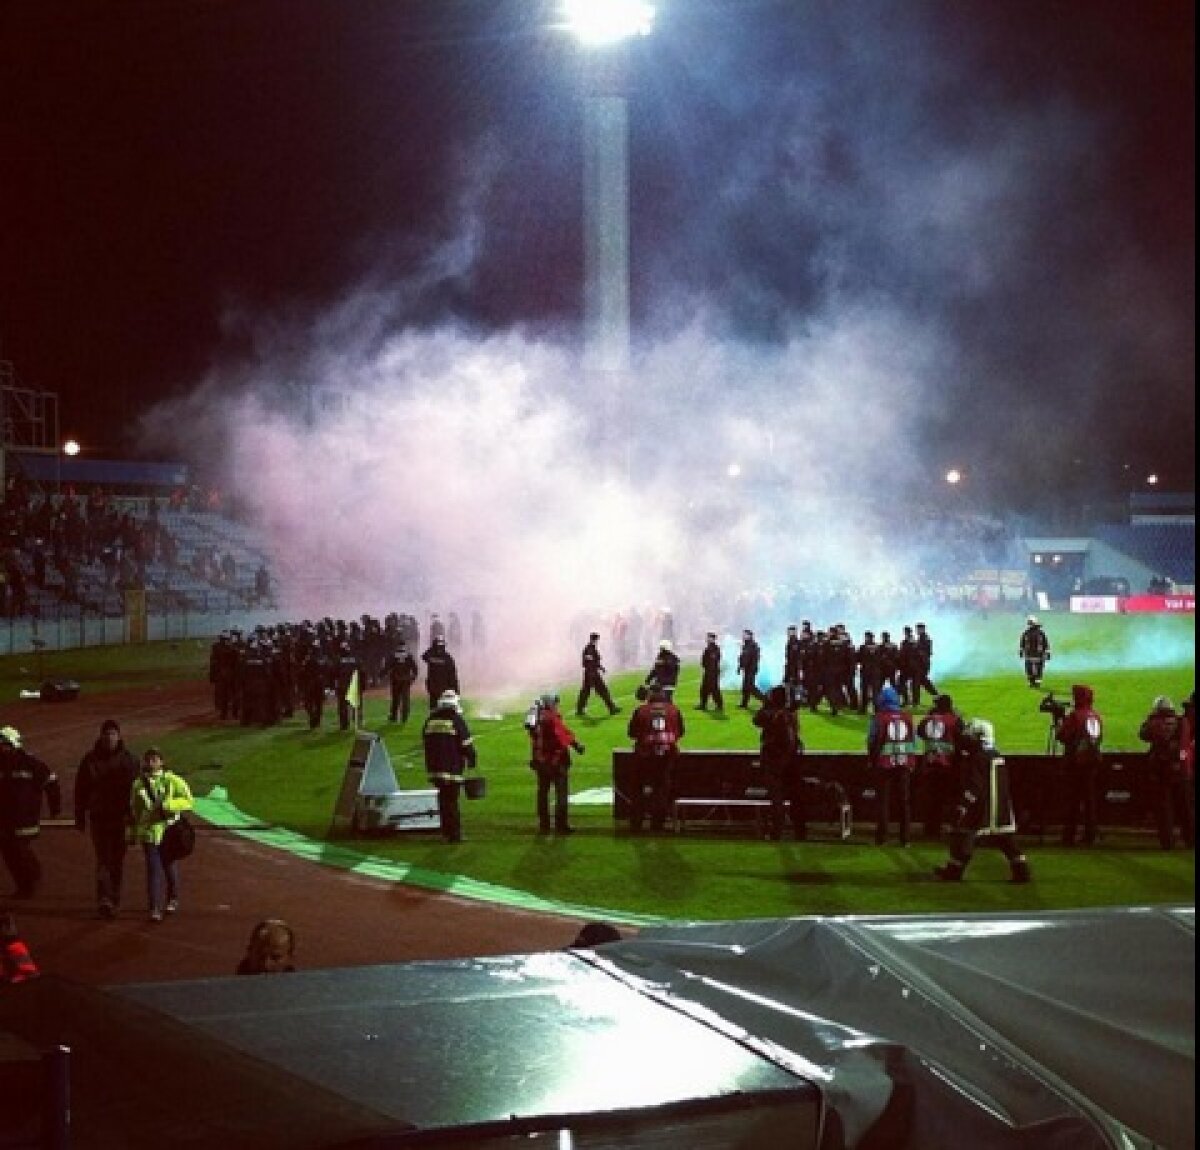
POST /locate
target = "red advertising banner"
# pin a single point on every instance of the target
(1139, 604)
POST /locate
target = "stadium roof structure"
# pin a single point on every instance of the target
(104, 472)
(1073, 1028)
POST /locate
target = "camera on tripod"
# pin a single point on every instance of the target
(1052, 706)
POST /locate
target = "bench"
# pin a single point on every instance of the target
(712, 806)
(843, 820)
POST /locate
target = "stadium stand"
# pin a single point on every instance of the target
(1168, 549)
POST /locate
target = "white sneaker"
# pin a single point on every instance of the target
(172, 905)
(156, 916)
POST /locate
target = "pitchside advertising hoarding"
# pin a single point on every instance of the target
(1133, 604)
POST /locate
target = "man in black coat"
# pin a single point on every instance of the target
(102, 785)
(593, 678)
(710, 674)
(748, 660)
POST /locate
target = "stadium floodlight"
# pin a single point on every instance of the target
(600, 22)
(71, 447)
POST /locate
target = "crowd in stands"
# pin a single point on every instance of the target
(81, 550)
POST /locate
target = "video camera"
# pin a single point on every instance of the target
(1052, 706)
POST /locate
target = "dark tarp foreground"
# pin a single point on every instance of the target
(1069, 1029)
(1065, 1030)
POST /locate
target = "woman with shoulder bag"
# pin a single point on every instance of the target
(158, 798)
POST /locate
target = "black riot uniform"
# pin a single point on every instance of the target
(748, 662)
(401, 673)
(593, 678)
(441, 672)
(710, 674)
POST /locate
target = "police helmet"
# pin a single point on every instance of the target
(983, 731)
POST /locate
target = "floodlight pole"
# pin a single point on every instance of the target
(606, 355)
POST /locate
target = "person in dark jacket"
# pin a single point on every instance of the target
(449, 751)
(102, 785)
(441, 671)
(779, 757)
(710, 674)
(1170, 780)
(748, 661)
(25, 783)
(401, 673)
(593, 678)
(665, 672)
(892, 758)
(985, 808)
(1081, 734)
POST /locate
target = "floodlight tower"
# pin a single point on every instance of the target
(604, 31)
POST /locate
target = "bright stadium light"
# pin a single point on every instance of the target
(954, 476)
(600, 22)
(71, 447)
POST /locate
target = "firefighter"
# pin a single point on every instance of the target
(985, 807)
(1170, 776)
(1034, 649)
(25, 782)
(449, 751)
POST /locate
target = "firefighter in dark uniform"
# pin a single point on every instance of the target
(441, 672)
(1034, 649)
(593, 678)
(937, 782)
(656, 728)
(985, 807)
(748, 662)
(779, 757)
(25, 781)
(401, 673)
(449, 751)
(710, 674)
(892, 758)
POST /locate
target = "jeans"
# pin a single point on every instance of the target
(162, 883)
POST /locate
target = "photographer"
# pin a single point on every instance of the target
(1081, 733)
(551, 743)
(1174, 801)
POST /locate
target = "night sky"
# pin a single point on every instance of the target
(185, 182)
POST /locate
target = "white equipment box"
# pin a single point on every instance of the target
(370, 799)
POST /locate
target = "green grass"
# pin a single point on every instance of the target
(289, 776)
